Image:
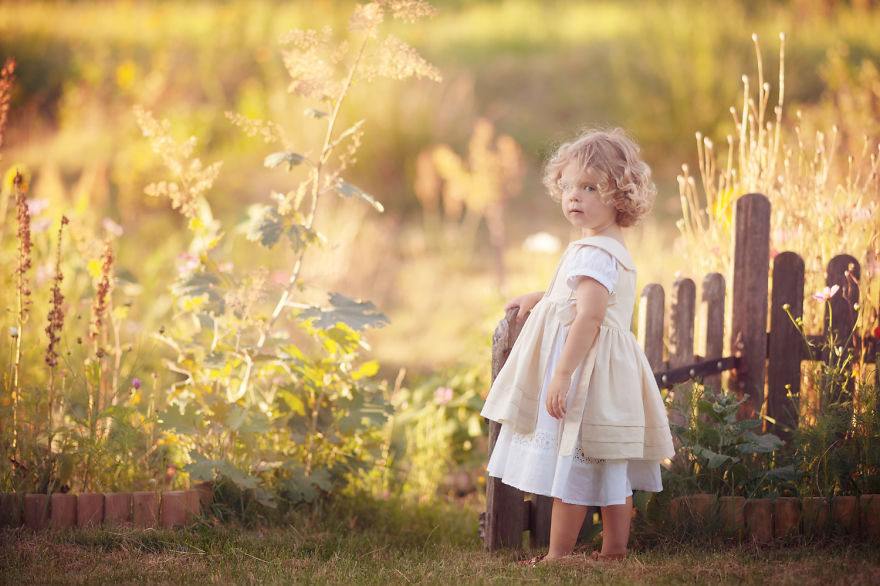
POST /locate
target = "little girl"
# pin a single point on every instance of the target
(582, 417)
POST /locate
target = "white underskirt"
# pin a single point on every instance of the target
(531, 462)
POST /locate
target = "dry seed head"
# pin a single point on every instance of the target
(312, 76)
(56, 311)
(409, 10)
(7, 78)
(192, 179)
(24, 248)
(103, 290)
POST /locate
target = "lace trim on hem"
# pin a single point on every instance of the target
(542, 440)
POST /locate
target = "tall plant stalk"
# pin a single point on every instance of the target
(317, 176)
(23, 301)
(53, 330)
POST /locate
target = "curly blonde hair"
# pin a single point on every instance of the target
(614, 156)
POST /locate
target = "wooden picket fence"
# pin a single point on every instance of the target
(764, 363)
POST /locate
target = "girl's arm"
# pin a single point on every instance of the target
(591, 303)
(525, 303)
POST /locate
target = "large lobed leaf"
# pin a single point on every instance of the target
(356, 314)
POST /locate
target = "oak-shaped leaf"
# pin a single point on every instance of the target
(354, 313)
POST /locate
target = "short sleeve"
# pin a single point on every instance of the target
(593, 262)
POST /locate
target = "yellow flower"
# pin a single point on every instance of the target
(9, 179)
(125, 74)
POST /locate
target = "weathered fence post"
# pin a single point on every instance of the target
(786, 344)
(681, 323)
(507, 513)
(713, 312)
(504, 504)
(650, 330)
(840, 311)
(748, 332)
(681, 338)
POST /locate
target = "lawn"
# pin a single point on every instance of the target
(396, 543)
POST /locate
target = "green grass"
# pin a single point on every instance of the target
(382, 543)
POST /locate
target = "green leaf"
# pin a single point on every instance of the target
(713, 459)
(763, 443)
(241, 479)
(198, 284)
(201, 468)
(266, 228)
(265, 498)
(356, 314)
(367, 369)
(348, 132)
(185, 422)
(236, 417)
(305, 488)
(293, 402)
(65, 468)
(348, 190)
(288, 157)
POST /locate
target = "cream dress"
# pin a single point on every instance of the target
(532, 462)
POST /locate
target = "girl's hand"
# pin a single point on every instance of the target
(557, 393)
(525, 303)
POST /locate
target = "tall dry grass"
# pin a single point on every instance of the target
(824, 191)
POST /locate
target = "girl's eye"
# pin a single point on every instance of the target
(589, 188)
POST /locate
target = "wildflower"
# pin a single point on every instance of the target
(877, 332)
(136, 383)
(41, 225)
(187, 263)
(36, 205)
(112, 227)
(443, 395)
(826, 293)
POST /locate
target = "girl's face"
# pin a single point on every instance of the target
(581, 203)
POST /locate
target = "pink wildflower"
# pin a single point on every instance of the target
(443, 395)
(136, 383)
(112, 227)
(826, 293)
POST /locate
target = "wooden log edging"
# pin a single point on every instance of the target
(58, 511)
(763, 520)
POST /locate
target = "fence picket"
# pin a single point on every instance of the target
(840, 312)
(681, 323)
(786, 345)
(712, 308)
(650, 330)
(748, 332)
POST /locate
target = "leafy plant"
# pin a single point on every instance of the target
(273, 394)
(719, 453)
(436, 435)
(839, 425)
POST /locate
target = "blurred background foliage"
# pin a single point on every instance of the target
(529, 72)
